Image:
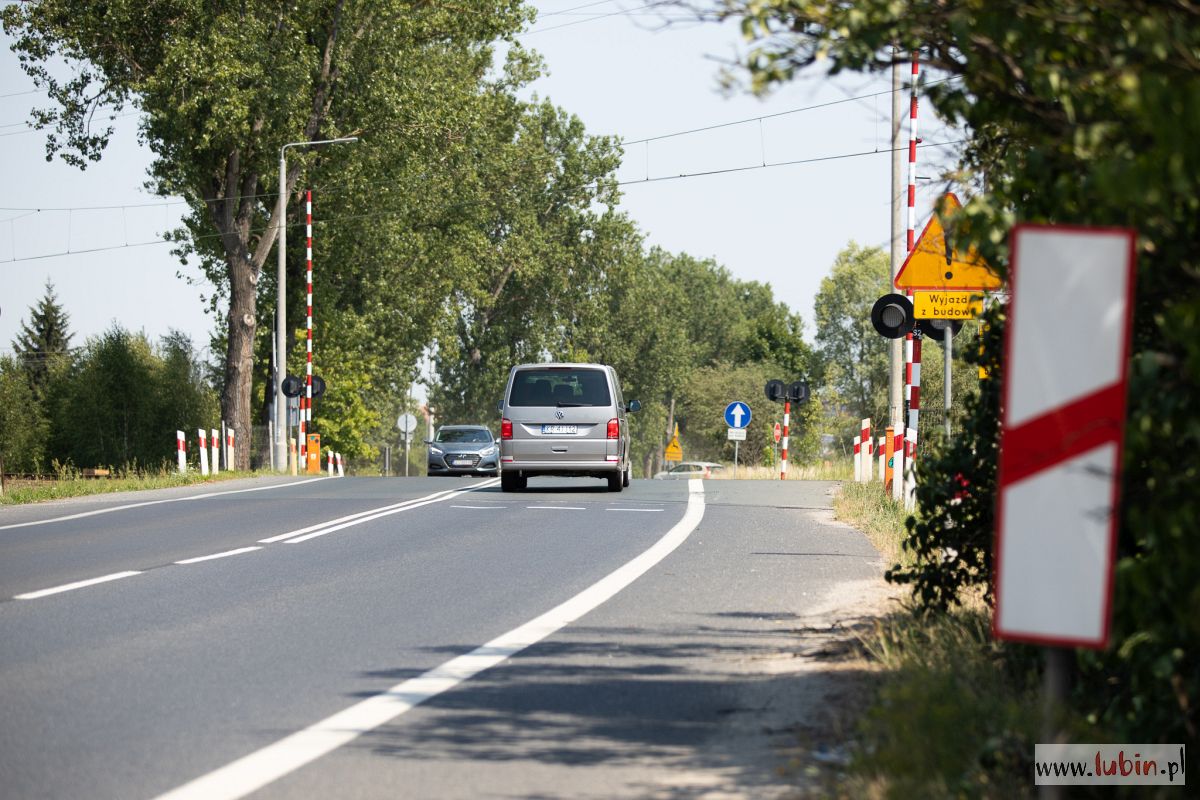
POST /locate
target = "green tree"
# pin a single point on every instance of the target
(223, 86)
(854, 358)
(43, 341)
(1074, 113)
(23, 427)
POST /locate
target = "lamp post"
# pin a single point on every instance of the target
(280, 443)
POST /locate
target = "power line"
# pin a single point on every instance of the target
(623, 12)
(395, 212)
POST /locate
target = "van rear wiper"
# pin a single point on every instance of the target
(561, 404)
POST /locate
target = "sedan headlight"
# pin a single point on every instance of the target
(435, 450)
(487, 451)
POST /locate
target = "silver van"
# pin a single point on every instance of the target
(564, 419)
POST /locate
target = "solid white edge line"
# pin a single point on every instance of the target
(251, 772)
(318, 526)
(237, 552)
(386, 511)
(203, 496)
(66, 587)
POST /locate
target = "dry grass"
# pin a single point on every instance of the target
(866, 507)
(69, 482)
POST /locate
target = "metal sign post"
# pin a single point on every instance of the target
(949, 347)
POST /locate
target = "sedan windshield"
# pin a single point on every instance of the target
(464, 436)
(559, 386)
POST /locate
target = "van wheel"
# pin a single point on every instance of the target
(511, 482)
(626, 476)
(615, 481)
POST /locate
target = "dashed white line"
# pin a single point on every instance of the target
(633, 509)
(479, 508)
(256, 770)
(557, 508)
(237, 552)
(66, 587)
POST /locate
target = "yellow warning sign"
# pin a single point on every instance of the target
(947, 305)
(935, 264)
(674, 452)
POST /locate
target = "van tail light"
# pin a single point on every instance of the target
(614, 428)
(506, 429)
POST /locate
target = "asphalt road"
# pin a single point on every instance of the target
(419, 638)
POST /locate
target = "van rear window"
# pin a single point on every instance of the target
(560, 387)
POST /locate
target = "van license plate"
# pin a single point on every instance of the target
(558, 430)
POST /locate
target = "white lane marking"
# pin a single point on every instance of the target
(66, 587)
(479, 508)
(557, 508)
(318, 526)
(633, 509)
(154, 503)
(237, 552)
(387, 511)
(251, 772)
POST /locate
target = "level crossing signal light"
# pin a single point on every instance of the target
(893, 317)
(293, 386)
(778, 392)
(935, 329)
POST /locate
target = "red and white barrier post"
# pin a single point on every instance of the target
(340, 469)
(329, 463)
(181, 451)
(882, 450)
(787, 415)
(214, 442)
(898, 465)
(230, 458)
(857, 459)
(867, 452)
(203, 452)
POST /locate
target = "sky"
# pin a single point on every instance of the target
(622, 70)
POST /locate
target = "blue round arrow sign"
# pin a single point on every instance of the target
(737, 414)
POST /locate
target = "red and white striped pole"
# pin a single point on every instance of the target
(787, 415)
(230, 460)
(857, 459)
(214, 442)
(203, 452)
(912, 345)
(306, 403)
(181, 450)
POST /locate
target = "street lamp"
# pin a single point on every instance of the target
(280, 323)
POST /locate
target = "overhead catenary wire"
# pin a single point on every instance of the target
(396, 212)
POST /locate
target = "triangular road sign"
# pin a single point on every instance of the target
(933, 264)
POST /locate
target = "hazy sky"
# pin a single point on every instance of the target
(626, 73)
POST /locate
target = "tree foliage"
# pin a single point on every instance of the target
(44, 340)
(1075, 113)
(223, 86)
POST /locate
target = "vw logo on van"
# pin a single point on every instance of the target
(558, 414)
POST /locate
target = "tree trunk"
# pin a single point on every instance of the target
(239, 357)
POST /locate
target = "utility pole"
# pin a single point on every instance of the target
(896, 373)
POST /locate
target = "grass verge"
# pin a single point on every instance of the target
(866, 507)
(71, 483)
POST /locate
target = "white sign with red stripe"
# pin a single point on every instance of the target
(1066, 353)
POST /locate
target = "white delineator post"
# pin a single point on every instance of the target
(214, 442)
(858, 459)
(203, 452)
(340, 470)
(898, 465)
(329, 463)
(230, 449)
(787, 415)
(181, 451)
(1066, 361)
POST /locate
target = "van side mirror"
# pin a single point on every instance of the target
(500, 407)
(633, 406)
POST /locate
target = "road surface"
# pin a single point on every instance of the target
(425, 638)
